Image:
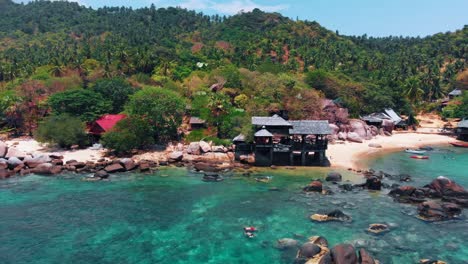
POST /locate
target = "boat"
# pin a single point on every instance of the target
(250, 229)
(460, 144)
(415, 151)
(419, 157)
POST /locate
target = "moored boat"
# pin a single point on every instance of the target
(459, 144)
(419, 157)
(415, 151)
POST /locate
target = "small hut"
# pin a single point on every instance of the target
(455, 93)
(104, 124)
(462, 130)
(196, 123)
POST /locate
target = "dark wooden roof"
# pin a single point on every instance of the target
(269, 121)
(310, 127)
(263, 133)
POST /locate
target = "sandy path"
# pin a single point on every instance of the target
(350, 155)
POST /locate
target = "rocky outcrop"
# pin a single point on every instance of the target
(194, 148)
(438, 211)
(47, 169)
(443, 186)
(333, 177)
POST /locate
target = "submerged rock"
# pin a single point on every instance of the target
(443, 186)
(365, 257)
(378, 228)
(335, 215)
(286, 243)
(373, 183)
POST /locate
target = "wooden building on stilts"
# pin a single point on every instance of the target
(288, 143)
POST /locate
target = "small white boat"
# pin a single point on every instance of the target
(415, 151)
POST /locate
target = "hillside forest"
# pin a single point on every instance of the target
(62, 64)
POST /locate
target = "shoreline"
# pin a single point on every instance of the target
(355, 155)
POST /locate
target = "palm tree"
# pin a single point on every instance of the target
(413, 89)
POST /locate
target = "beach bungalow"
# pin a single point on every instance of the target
(455, 93)
(196, 123)
(462, 130)
(104, 124)
(384, 118)
(281, 142)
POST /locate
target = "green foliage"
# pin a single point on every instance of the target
(206, 135)
(163, 108)
(133, 132)
(457, 108)
(84, 104)
(116, 90)
(63, 130)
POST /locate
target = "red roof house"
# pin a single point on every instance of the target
(105, 123)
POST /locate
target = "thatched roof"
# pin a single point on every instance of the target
(310, 127)
(263, 133)
(269, 121)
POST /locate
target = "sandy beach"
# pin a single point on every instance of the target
(341, 155)
(351, 155)
(31, 146)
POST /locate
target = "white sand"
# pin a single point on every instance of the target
(31, 146)
(351, 155)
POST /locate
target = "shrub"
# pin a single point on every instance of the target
(133, 132)
(63, 130)
(116, 90)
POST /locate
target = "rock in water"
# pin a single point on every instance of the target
(315, 186)
(438, 211)
(334, 177)
(32, 162)
(443, 186)
(344, 254)
(335, 215)
(374, 183)
(365, 257)
(309, 250)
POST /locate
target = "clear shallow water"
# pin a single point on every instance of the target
(174, 217)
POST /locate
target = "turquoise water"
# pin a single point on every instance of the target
(172, 216)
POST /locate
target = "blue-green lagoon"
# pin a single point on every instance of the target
(172, 216)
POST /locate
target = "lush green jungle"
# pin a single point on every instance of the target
(62, 64)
